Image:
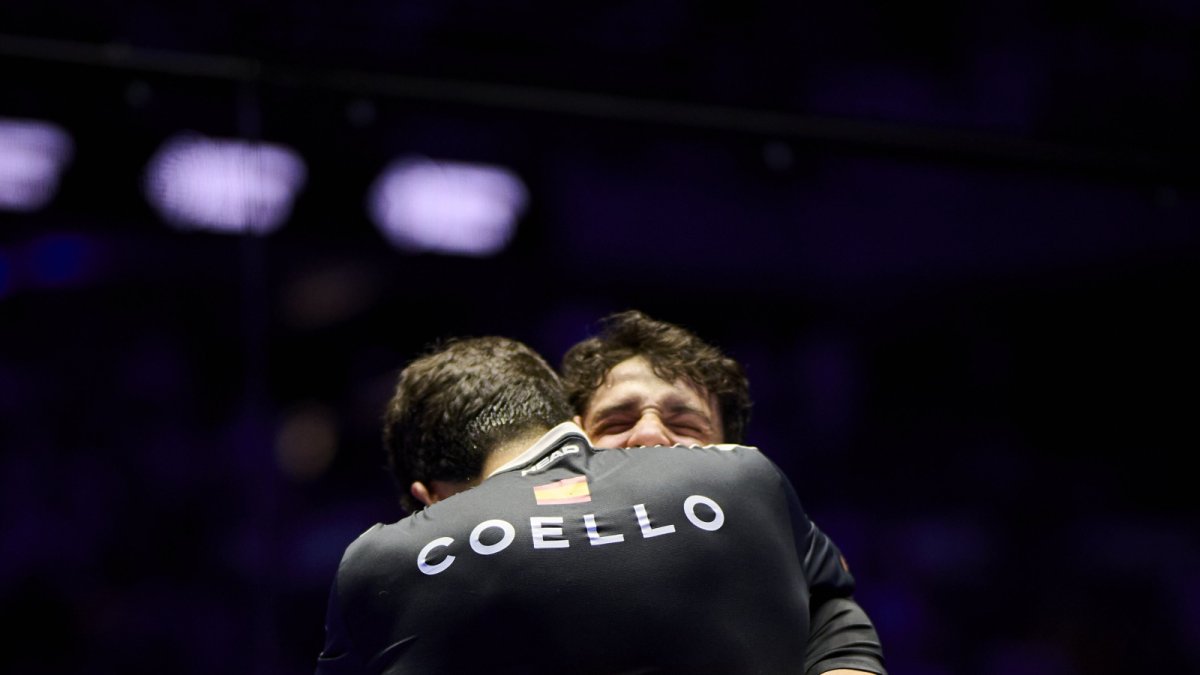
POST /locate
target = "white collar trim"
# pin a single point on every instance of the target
(550, 440)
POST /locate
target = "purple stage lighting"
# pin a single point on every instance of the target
(224, 185)
(32, 157)
(458, 208)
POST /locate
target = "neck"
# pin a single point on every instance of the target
(508, 450)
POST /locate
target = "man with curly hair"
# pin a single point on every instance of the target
(652, 381)
(644, 382)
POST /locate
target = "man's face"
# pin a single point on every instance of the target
(635, 407)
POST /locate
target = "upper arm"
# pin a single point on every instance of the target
(338, 657)
(841, 637)
(825, 569)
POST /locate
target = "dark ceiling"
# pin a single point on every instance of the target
(1118, 75)
(996, 136)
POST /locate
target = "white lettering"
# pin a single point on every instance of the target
(689, 510)
(565, 450)
(424, 555)
(540, 526)
(589, 521)
(547, 532)
(644, 522)
(488, 549)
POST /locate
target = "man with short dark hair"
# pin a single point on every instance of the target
(561, 558)
(644, 382)
(453, 410)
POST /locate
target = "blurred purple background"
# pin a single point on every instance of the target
(956, 247)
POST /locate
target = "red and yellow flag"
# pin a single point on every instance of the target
(566, 491)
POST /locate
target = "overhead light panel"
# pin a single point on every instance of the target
(231, 186)
(33, 154)
(448, 207)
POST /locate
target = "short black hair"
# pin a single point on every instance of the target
(672, 351)
(453, 406)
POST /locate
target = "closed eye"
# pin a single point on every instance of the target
(690, 425)
(609, 427)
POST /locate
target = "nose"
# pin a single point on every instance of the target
(649, 430)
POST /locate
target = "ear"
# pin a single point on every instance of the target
(579, 423)
(437, 490)
(421, 493)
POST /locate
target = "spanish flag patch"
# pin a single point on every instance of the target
(566, 491)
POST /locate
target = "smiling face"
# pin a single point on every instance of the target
(635, 407)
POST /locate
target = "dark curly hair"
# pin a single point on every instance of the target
(673, 352)
(459, 401)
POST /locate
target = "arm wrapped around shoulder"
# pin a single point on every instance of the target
(842, 636)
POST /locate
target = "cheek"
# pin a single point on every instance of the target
(685, 439)
(693, 438)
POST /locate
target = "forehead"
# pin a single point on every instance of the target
(634, 379)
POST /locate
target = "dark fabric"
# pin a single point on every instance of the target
(842, 636)
(665, 582)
